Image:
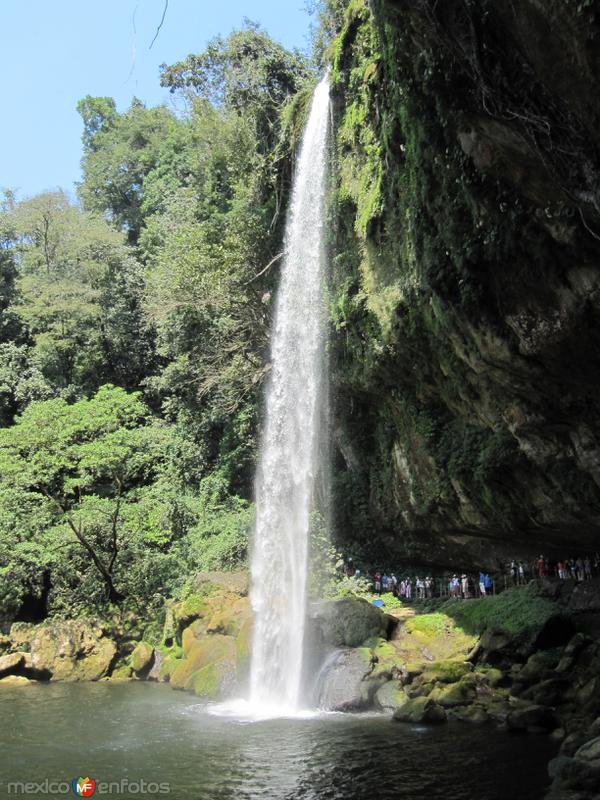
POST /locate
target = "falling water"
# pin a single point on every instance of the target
(289, 455)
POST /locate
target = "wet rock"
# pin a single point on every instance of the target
(474, 713)
(347, 682)
(589, 695)
(203, 652)
(578, 643)
(457, 694)
(75, 650)
(590, 751)
(531, 717)
(142, 659)
(167, 667)
(157, 658)
(121, 674)
(495, 646)
(539, 666)
(10, 663)
(585, 597)
(215, 680)
(549, 692)
(14, 681)
(390, 696)
(420, 710)
(557, 765)
(581, 772)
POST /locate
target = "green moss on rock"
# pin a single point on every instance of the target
(390, 696)
(169, 664)
(14, 681)
(420, 709)
(142, 657)
(203, 652)
(446, 671)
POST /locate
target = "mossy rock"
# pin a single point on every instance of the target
(121, 674)
(540, 666)
(190, 609)
(492, 676)
(447, 671)
(212, 681)
(386, 659)
(76, 650)
(142, 658)
(471, 713)
(229, 616)
(456, 694)
(222, 614)
(10, 663)
(243, 644)
(420, 710)
(194, 632)
(203, 652)
(14, 681)
(427, 638)
(390, 696)
(168, 666)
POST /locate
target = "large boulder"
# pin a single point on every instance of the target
(75, 650)
(348, 622)
(428, 638)
(142, 659)
(421, 710)
(204, 651)
(577, 773)
(10, 663)
(390, 696)
(456, 694)
(213, 635)
(14, 681)
(347, 681)
(215, 680)
(532, 718)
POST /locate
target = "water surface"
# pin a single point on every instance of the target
(144, 731)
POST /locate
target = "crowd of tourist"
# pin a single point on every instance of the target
(465, 586)
(577, 569)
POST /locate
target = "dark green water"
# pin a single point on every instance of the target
(149, 732)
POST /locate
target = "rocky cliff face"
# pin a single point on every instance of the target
(466, 290)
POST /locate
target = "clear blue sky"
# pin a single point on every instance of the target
(54, 52)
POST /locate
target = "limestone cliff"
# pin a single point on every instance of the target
(466, 288)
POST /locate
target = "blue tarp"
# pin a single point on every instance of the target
(378, 603)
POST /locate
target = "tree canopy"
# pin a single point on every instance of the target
(134, 334)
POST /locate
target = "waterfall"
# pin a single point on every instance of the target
(289, 457)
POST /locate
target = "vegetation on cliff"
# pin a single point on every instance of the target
(465, 285)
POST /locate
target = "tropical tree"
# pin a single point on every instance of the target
(119, 151)
(80, 467)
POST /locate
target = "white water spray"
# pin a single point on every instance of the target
(290, 448)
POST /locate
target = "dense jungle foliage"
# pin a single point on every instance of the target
(464, 307)
(134, 336)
